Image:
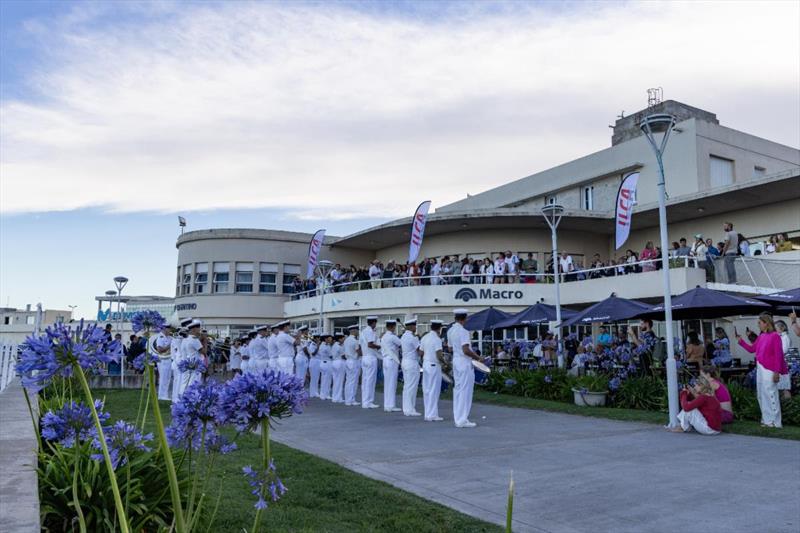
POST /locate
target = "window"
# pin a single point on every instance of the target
(550, 200)
(268, 275)
(178, 282)
(186, 285)
(30, 320)
(244, 277)
(721, 171)
(759, 171)
(6, 320)
(587, 198)
(222, 272)
(290, 273)
(201, 278)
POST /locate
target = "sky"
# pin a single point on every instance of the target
(117, 116)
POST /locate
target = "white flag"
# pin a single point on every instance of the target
(626, 199)
(418, 230)
(313, 252)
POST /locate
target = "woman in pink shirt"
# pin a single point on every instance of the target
(711, 374)
(770, 364)
(648, 254)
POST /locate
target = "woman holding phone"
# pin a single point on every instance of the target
(770, 364)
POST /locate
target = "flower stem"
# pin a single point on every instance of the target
(266, 461)
(162, 437)
(123, 520)
(33, 419)
(75, 499)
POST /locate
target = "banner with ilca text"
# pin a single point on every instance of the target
(313, 252)
(626, 199)
(418, 230)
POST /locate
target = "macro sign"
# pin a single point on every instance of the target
(466, 294)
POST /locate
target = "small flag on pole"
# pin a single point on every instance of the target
(181, 221)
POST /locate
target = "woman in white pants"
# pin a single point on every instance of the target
(409, 344)
(337, 370)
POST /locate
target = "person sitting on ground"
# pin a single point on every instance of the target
(695, 351)
(711, 374)
(700, 409)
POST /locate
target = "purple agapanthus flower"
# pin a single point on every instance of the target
(548, 378)
(510, 382)
(123, 440)
(53, 354)
(72, 423)
(193, 364)
(198, 407)
(139, 362)
(264, 483)
(147, 321)
(614, 383)
(248, 399)
(217, 443)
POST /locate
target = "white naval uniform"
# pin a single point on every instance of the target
(301, 361)
(431, 374)
(164, 365)
(326, 372)
(409, 343)
(313, 370)
(285, 344)
(236, 358)
(247, 367)
(337, 351)
(175, 351)
(272, 351)
(190, 347)
(352, 370)
(390, 347)
(369, 367)
(463, 374)
(258, 354)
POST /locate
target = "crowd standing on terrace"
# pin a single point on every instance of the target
(509, 267)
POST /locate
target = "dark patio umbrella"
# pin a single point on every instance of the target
(486, 319)
(533, 315)
(782, 299)
(611, 309)
(706, 303)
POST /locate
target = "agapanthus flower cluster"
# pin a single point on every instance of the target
(197, 408)
(794, 368)
(193, 364)
(248, 399)
(218, 443)
(264, 483)
(147, 320)
(123, 441)
(548, 378)
(614, 383)
(139, 361)
(72, 423)
(510, 382)
(722, 352)
(54, 353)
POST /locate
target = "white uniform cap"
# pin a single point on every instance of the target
(410, 321)
(281, 324)
(194, 324)
(436, 322)
(460, 311)
(353, 326)
(391, 322)
(302, 328)
(186, 321)
(263, 327)
(372, 317)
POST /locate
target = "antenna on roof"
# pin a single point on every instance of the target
(655, 96)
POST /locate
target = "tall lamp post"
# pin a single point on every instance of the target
(120, 282)
(552, 214)
(323, 268)
(653, 126)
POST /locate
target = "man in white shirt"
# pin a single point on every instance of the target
(431, 345)
(338, 369)
(436, 272)
(500, 269)
(375, 275)
(512, 266)
(285, 344)
(463, 374)
(272, 347)
(259, 351)
(301, 354)
(352, 365)
(390, 347)
(313, 366)
(369, 363)
(192, 347)
(409, 344)
(175, 349)
(163, 347)
(565, 266)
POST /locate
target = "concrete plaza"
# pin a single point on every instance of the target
(572, 473)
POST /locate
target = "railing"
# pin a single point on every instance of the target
(756, 272)
(579, 274)
(8, 360)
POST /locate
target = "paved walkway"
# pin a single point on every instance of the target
(572, 473)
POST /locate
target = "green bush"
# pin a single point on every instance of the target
(592, 382)
(745, 403)
(645, 393)
(790, 411)
(543, 384)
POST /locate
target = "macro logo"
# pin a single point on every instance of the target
(465, 294)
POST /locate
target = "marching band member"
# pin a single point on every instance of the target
(409, 343)
(193, 346)
(431, 345)
(390, 348)
(247, 360)
(285, 344)
(463, 374)
(272, 348)
(369, 363)
(236, 357)
(352, 365)
(313, 366)
(338, 367)
(163, 347)
(175, 349)
(325, 367)
(301, 355)
(259, 353)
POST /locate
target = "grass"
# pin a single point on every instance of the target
(322, 496)
(739, 427)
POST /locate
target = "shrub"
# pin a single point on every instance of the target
(745, 403)
(646, 393)
(790, 411)
(592, 382)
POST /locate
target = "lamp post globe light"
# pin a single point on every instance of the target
(552, 214)
(653, 126)
(120, 282)
(323, 269)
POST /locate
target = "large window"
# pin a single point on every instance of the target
(721, 171)
(290, 273)
(244, 277)
(222, 272)
(587, 197)
(201, 278)
(267, 277)
(186, 282)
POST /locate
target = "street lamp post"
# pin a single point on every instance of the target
(653, 125)
(323, 268)
(552, 214)
(120, 282)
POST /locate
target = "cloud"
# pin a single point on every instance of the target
(338, 113)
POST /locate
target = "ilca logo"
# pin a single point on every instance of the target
(467, 294)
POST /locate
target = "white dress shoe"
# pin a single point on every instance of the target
(466, 424)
